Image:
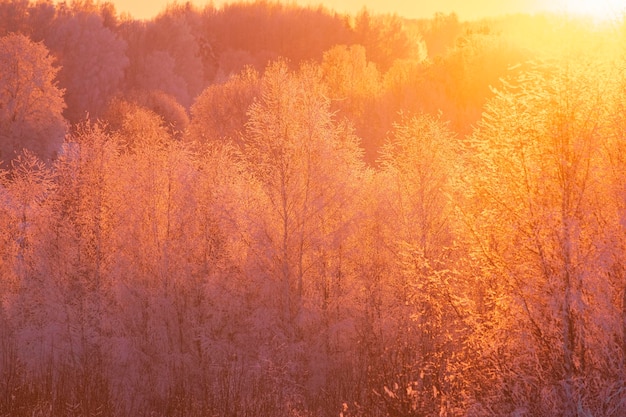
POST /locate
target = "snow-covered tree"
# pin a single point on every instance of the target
(306, 172)
(31, 104)
(538, 187)
(291, 144)
(419, 164)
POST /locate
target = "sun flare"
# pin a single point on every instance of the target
(603, 10)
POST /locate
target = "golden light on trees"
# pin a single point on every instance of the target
(275, 210)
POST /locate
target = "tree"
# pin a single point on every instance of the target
(173, 115)
(93, 60)
(220, 111)
(539, 170)
(35, 307)
(306, 171)
(354, 85)
(418, 170)
(464, 79)
(294, 32)
(173, 38)
(165, 105)
(31, 104)
(417, 160)
(13, 16)
(440, 33)
(385, 38)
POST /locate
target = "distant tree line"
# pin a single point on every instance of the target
(380, 64)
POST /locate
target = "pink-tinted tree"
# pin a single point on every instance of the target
(31, 104)
(306, 171)
(93, 60)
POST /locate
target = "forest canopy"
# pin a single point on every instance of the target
(264, 209)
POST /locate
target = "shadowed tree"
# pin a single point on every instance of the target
(353, 84)
(13, 16)
(93, 60)
(418, 169)
(385, 38)
(173, 114)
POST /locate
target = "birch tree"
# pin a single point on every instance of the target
(305, 171)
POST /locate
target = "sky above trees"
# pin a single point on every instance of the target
(146, 9)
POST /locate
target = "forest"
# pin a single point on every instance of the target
(261, 209)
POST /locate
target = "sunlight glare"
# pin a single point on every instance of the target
(602, 10)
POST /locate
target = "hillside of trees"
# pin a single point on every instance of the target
(269, 210)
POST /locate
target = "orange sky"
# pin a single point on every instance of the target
(410, 8)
